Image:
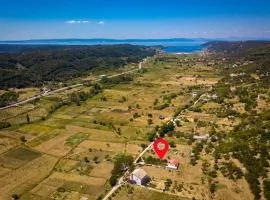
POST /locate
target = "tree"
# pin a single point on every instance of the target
(166, 128)
(212, 188)
(266, 186)
(15, 197)
(95, 159)
(136, 115)
(151, 137)
(28, 119)
(4, 125)
(8, 97)
(121, 163)
(86, 159)
(23, 139)
(172, 144)
(113, 180)
(168, 184)
(143, 146)
(149, 121)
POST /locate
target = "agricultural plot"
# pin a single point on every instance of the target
(7, 142)
(24, 178)
(68, 186)
(18, 157)
(58, 145)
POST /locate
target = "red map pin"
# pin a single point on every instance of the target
(161, 147)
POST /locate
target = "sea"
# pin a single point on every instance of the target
(173, 46)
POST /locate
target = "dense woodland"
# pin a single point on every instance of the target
(34, 65)
(246, 67)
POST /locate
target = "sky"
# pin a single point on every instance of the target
(122, 19)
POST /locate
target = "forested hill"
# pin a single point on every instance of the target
(239, 47)
(253, 55)
(34, 65)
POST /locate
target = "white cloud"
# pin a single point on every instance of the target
(70, 22)
(101, 22)
(83, 22)
(77, 22)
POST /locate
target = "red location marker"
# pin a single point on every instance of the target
(161, 147)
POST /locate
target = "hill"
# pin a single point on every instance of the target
(30, 65)
(238, 47)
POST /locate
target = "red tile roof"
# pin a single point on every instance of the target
(173, 162)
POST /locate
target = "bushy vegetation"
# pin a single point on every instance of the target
(196, 150)
(246, 142)
(126, 78)
(266, 187)
(81, 96)
(154, 161)
(4, 125)
(231, 171)
(8, 97)
(162, 106)
(166, 128)
(122, 163)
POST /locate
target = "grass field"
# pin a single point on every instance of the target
(18, 157)
(140, 193)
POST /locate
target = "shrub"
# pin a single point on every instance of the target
(172, 144)
(149, 121)
(4, 125)
(61, 189)
(151, 137)
(136, 115)
(212, 188)
(23, 139)
(113, 180)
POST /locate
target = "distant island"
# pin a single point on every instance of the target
(97, 41)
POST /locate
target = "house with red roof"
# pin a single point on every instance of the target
(172, 164)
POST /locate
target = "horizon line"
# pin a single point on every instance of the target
(165, 38)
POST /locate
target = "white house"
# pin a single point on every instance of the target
(172, 164)
(139, 177)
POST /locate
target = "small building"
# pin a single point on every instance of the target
(103, 76)
(172, 164)
(201, 137)
(139, 177)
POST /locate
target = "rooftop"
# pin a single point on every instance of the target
(140, 173)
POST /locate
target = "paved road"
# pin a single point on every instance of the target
(111, 191)
(40, 95)
(144, 151)
(65, 88)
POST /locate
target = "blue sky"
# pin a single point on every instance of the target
(34, 19)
